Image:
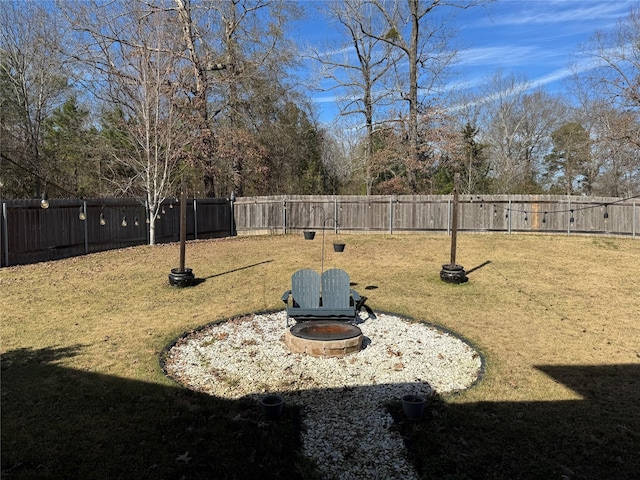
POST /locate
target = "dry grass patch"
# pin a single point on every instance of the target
(556, 317)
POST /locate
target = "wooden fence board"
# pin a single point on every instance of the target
(30, 234)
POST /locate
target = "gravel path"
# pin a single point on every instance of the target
(345, 420)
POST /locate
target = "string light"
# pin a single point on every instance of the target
(81, 214)
(526, 217)
(572, 220)
(136, 221)
(102, 219)
(544, 217)
(44, 203)
(124, 221)
(606, 212)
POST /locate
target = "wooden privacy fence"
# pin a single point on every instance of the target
(432, 213)
(30, 234)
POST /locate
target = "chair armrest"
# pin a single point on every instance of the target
(285, 296)
(355, 295)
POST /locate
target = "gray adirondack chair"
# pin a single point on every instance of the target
(304, 293)
(338, 298)
(304, 303)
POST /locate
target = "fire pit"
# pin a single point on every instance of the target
(324, 338)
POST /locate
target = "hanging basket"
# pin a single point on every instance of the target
(309, 235)
(338, 247)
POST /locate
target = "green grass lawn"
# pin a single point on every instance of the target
(557, 319)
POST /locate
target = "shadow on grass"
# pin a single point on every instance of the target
(478, 267)
(234, 270)
(597, 437)
(64, 423)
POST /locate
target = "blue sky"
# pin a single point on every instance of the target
(538, 39)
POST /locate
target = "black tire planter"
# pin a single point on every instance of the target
(453, 274)
(338, 247)
(309, 235)
(181, 279)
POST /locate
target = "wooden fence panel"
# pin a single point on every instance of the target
(31, 234)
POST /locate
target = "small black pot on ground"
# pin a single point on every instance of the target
(413, 406)
(272, 406)
(309, 235)
(338, 247)
(181, 278)
(453, 274)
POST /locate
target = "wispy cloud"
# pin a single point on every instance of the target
(500, 55)
(564, 12)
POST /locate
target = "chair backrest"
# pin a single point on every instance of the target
(335, 289)
(305, 288)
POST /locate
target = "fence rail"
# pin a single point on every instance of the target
(30, 234)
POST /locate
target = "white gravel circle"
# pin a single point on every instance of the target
(345, 420)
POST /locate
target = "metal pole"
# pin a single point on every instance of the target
(454, 220)
(509, 219)
(322, 261)
(183, 224)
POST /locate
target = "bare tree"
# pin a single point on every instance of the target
(610, 98)
(135, 67)
(34, 84)
(412, 27)
(248, 40)
(358, 68)
(518, 127)
(616, 58)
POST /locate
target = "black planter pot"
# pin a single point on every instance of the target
(309, 235)
(181, 279)
(338, 247)
(453, 274)
(413, 406)
(272, 406)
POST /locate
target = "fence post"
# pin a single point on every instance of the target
(448, 216)
(5, 237)
(391, 215)
(633, 222)
(284, 215)
(570, 216)
(195, 219)
(86, 228)
(335, 214)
